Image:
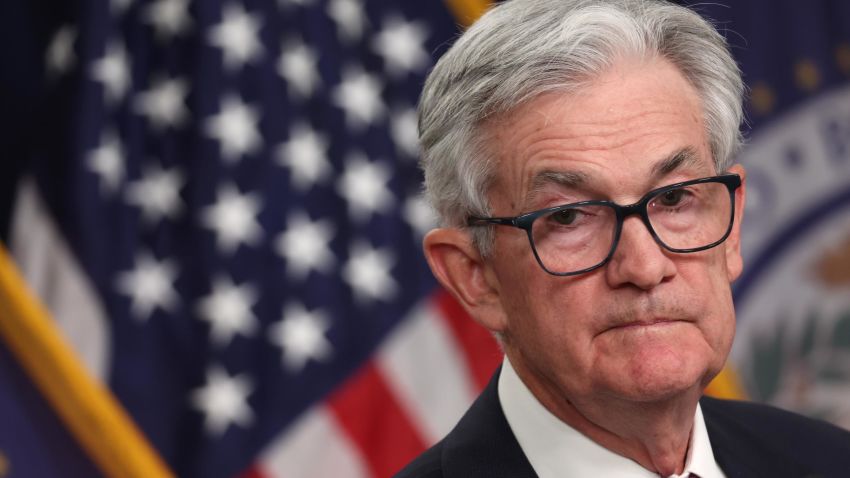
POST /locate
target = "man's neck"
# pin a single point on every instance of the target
(653, 434)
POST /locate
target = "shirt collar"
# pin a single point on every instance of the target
(555, 449)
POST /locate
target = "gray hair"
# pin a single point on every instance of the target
(522, 49)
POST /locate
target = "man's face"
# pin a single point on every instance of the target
(651, 323)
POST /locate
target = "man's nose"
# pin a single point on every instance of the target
(638, 260)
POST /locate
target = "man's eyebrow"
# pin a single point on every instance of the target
(683, 158)
(565, 179)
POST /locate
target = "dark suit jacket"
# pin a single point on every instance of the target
(748, 440)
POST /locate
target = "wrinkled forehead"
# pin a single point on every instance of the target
(632, 126)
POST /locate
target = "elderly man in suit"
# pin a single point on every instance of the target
(578, 155)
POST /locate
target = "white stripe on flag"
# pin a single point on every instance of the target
(313, 447)
(55, 277)
(423, 366)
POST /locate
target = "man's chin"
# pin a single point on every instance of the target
(660, 379)
(662, 392)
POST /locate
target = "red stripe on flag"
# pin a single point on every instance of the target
(371, 415)
(480, 349)
(252, 472)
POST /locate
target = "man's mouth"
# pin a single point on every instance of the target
(647, 323)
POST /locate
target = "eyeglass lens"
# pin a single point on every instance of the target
(571, 239)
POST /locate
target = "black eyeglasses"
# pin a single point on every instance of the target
(575, 238)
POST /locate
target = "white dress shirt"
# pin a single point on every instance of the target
(556, 450)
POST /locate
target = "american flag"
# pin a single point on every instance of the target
(224, 215)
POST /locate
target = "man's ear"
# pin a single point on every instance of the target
(459, 267)
(734, 262)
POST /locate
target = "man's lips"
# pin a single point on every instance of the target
(654, 322)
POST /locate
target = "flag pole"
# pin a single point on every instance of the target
(91, 413)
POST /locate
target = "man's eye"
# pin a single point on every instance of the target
(672, 197)
(565, 217)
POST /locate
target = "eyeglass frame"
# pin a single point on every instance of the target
(525, 221)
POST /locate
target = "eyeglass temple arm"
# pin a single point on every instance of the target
(501, 221)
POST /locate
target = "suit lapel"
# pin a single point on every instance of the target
(482, 444)
(738, 452)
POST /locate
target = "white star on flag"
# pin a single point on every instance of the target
(364, 185)
(404, 127)
(402, 45)
(113, 71)
(349, 18)
(305, 246)
(301, 336)
(163, 103)
(60, 52)
(238, 36)
(233, 219)
(149, 285)
(169, 18)
(157, 193)
(359, 96)
(236, 128)
(419, 214)
(228, 310)
(305, 154)
(367, 272)
(224, 400)
(299, 66)
(107, 161)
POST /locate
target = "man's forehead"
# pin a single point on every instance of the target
(685, 160)
(635, 124)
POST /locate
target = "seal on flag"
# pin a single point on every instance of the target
(792, 348)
